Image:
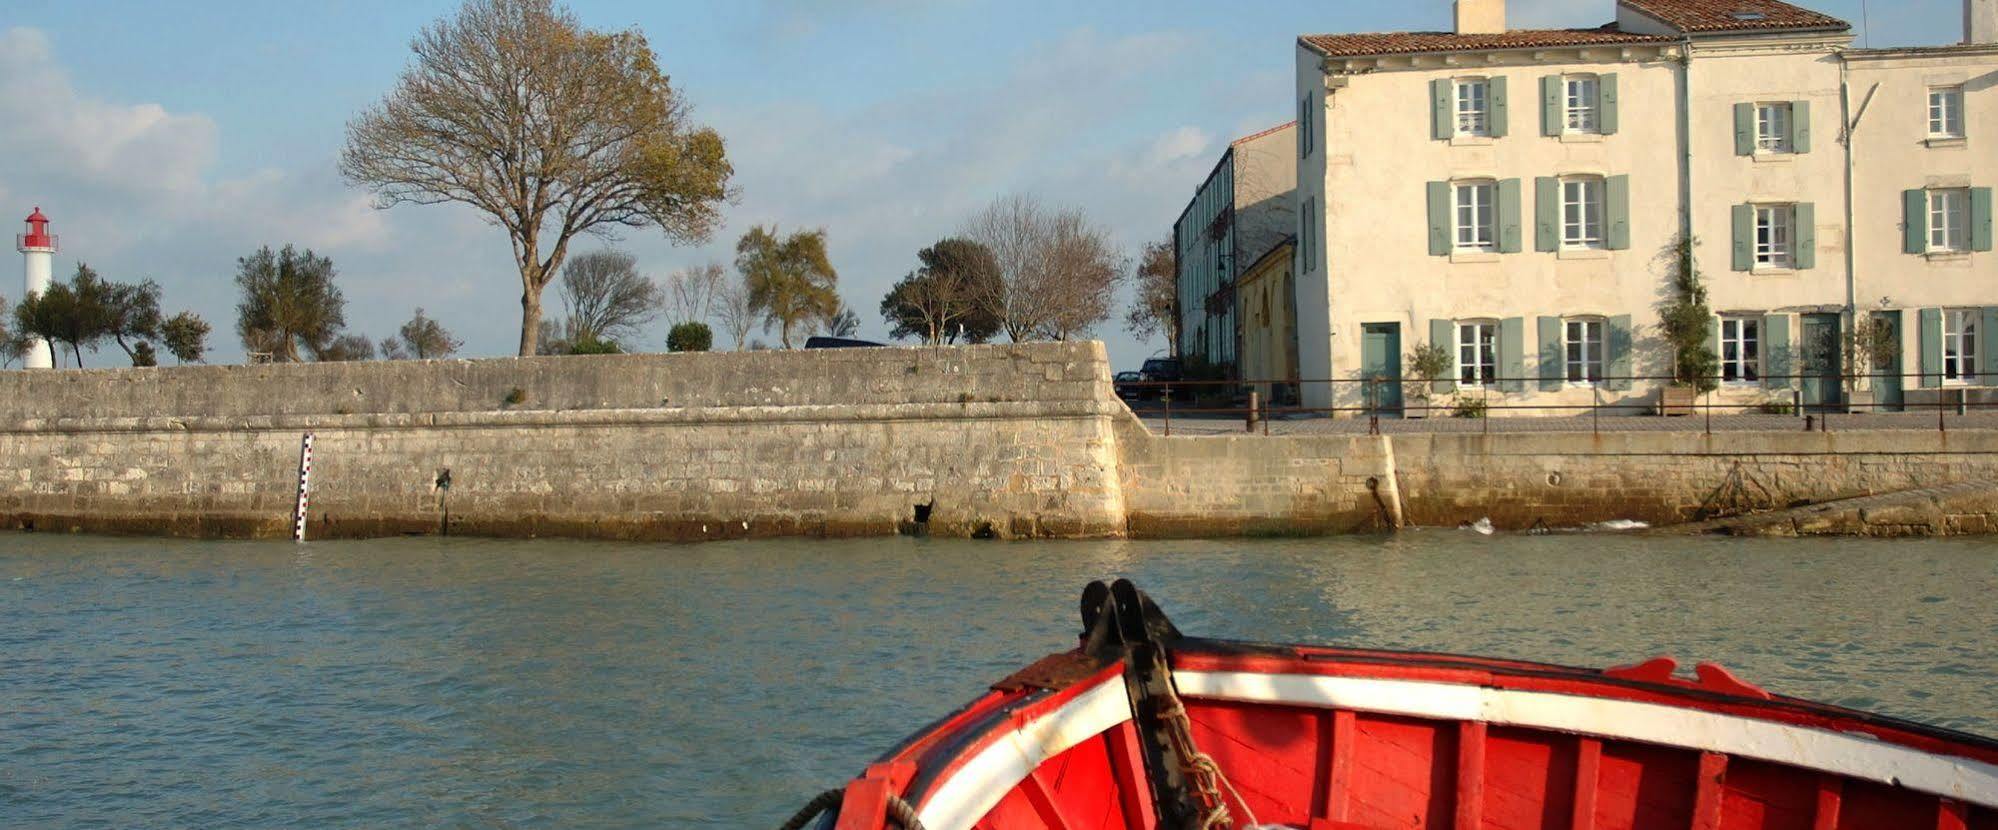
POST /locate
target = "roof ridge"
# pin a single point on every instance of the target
(1255, 135)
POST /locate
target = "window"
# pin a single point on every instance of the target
(1585, 351)
(1581, 213)
(1583, 103)
(1474, 107)
(1477, 220)
(1741, 349)
(1477, 353)
(1946, 112)
(1960, 345)
(1949, 220)
(1772, 128)
(1774, 232)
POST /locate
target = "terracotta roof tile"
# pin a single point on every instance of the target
(1393, 43)
(1734, 15)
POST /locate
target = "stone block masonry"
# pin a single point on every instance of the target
(1015, 441)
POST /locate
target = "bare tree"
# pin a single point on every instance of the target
(691, 293)
(606, 298)
(1058, 272)
(736, 311)
(550, 129)
(422, 338)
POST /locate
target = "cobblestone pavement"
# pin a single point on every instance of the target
(1211, 424)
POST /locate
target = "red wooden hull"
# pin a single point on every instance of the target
(1324, 738)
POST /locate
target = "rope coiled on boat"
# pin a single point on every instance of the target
(899, 811)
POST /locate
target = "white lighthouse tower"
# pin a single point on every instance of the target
(37, 248)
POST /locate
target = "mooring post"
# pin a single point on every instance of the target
(304, 488)
(1255, 401)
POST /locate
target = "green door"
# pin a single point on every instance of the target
(1887, 389)
(1818, 349)
(1380, 360)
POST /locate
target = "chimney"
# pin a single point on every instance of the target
(1487, 17)
(1980, 21)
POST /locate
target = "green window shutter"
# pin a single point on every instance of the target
(1807, 236)
(1987, 346)
(1617, 194)
(1440, 230)
(1800, 126)
(1512, 354)
(1553, 355)
(1915, 221)
(1508, 216)
(1617, 367)
(1442, 109)
(1501, 113)
(1776, 351)
(1547, 214)
(1444, 333)
(1931, 337)
(1744, 129)
(1980, 219)
(1744, 237)
(1607, 114)
(1552, 113)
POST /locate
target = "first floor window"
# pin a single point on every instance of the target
(1476, 220)
(1772, 128)
(1583, 103)
(1585, 351)
(1946, 112)
(1582, 213)
(1477, 353)
(1773, 235)
(1960, 345)
(1473, 107)
(1949, 220)
(1741, 349)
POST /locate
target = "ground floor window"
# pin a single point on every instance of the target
(1585, 350)
(1477, 353)
(1741, 349)
(1960, 345)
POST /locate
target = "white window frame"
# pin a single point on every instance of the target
(1584, 213)
(1474, 220)
(1478, 341)
(1741, 350)
(1773, 121)
(1775, 237)
(1949, 220)
(1471, 103)
(1959, 345)
(1582, 104)
(1946, 111)
(1583, 343)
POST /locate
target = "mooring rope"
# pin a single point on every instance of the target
(899, 811)
(1208, 780)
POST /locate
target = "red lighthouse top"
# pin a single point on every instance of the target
(38, 236)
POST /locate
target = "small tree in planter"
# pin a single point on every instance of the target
(1686, 319)
(1863, 348)
(1427, 364)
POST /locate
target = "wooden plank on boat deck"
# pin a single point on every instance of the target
(1831, 789)
(1952, 814)
(1707, 793)
(1470, 774)
(1588, 774)
(1339, 787)
(1040, 794)
(1127, 766)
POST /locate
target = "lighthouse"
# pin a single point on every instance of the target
(37, 248)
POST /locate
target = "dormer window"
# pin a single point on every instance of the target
(1750, 17)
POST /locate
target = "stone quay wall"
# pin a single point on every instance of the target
(1015, 441)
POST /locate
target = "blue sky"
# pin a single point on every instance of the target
(167, 139)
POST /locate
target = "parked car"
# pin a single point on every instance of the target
(841, 343)
(1161, 369)
(1129, 385)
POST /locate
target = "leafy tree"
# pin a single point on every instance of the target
(347, 347)
(289, 305)
(843, 323)
(422, 338)
(143, 355)
(947, 297)
(550, 129)
(71, 313)
(186, 336)
(1685, 317)
(690, 337)
(791, 280)
(606, 297)
(13, 347)
(132, 312)
(1154, 310)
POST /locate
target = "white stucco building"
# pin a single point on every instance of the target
(1516, 197)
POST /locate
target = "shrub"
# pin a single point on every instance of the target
(1470, 408)
(690, 337)
(592, 345)
(515, 397)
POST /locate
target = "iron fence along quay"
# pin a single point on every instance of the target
(1251, 400)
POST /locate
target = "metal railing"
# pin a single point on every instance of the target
(1376, 398)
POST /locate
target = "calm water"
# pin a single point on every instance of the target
(546, 684)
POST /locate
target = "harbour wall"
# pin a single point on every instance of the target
(1004, 441)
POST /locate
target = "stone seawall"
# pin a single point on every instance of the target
(1006, 441)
